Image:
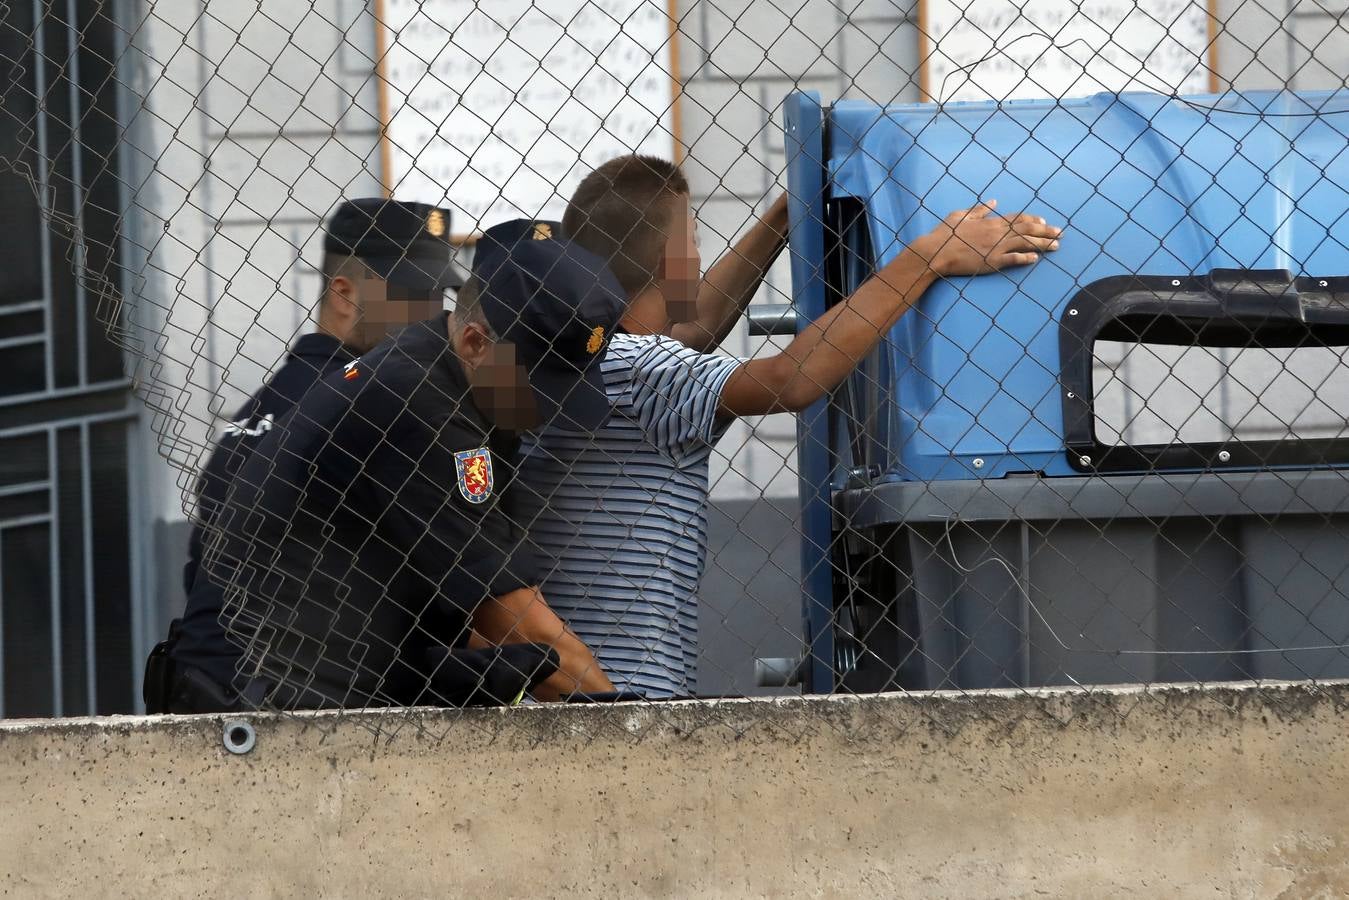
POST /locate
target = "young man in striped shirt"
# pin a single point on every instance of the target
(619, 516)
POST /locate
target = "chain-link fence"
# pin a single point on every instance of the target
(859, 433)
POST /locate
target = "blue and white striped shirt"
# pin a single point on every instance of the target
(619, 517)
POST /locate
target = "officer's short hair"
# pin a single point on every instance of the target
(620, 212)
(346, 265)
(467, 309)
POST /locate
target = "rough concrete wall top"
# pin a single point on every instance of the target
(1173, 792)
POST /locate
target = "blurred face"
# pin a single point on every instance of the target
(386, 308)
(497, 379)
(681, 269)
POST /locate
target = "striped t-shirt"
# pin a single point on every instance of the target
(619, 516)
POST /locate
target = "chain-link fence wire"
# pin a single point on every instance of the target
(1117, 463)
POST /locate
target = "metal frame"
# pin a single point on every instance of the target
(1160, 497)
(140, 452)
(48, 412)
(804, 121)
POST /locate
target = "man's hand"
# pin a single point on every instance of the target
(968, 242)
(974, 241)
(522, 616)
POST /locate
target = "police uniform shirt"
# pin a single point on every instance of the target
(366, 527)
(310, 359)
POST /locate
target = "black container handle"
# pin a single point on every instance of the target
(1225, 308)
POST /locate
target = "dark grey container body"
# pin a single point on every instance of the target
(1093, 580)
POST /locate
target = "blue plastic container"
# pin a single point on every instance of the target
(1215, 196)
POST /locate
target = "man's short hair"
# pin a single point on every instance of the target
(468, 309)
(344, 264)
(621, 213)
(341, 265)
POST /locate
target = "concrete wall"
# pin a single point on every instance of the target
(1233, 792)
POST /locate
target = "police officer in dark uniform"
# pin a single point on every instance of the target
(386, 264)
(370, 535)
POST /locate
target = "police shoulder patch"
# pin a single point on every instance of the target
(474, 471)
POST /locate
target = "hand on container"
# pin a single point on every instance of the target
(975, 241)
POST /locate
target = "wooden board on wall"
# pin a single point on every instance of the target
(1020, 49)
(496, 111)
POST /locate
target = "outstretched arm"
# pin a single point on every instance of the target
(730, 285)
(968, 242)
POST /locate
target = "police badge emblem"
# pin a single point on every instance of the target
(435, 223)
(474, 468)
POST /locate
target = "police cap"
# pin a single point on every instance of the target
(559, 304)
(407, 244)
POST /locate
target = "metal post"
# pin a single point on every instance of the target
(804, 122)
(54, 581)
(1023, 584)
(87, 534)
(142, 552)
(136, 519)
(44, 235)
(77, 188)
(2, 623)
